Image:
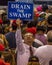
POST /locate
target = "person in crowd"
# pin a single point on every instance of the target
(2, 61)
(45, 8)
(30, 28)
(39, 36)
(33, 31)
(2, 36)
(10, 36)
(44, 53)
(22, 48)
(5, 24)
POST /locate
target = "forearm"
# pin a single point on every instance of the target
(19, 42)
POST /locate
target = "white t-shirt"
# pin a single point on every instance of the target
(44, 53)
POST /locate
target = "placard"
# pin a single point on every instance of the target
(20, 10)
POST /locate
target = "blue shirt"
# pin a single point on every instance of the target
(11, 39)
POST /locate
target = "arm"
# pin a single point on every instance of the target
(19, 43)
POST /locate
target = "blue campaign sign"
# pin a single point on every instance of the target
(20, 10)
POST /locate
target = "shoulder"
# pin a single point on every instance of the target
(35, 44)
(10, 33)
(41, 49)
(7, 34)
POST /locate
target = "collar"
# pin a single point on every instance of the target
(27, 46)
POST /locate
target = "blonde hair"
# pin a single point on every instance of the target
(1, 41)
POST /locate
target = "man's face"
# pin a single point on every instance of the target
(28, 38)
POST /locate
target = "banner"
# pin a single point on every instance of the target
(20, 10)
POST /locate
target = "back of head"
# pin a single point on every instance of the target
(14, 25)
(32, 24)
(49, 36)
(44, 7)
(41, 28)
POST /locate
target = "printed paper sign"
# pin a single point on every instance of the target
(20, 10)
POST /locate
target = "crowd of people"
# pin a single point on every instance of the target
(21, 39)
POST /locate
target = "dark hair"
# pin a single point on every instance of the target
(44, 7)
(42, 28)
(50, 40)
(14, 26)
(8, 58)
(1, 30)
(50, 62)
(25, 22)
(32, 24)
(4, 16)
(6, 21)
(49, 19)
